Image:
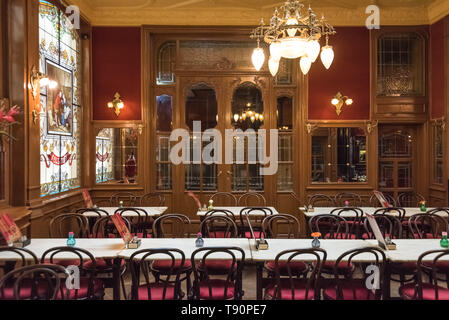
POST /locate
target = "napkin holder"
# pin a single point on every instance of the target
(261, 244)
(134, 244)
(22, 243)
(387, 245)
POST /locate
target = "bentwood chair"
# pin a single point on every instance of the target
(427, 226)
(428, 285)
(410, 199)
(252, 199)
(287, 285)
(141, 222)
(255, 216)
(321, 200)
(353, 199)
(444, 212)
(361, 288)
(225, 212)
(22, 256)
(172, 226)
(34, 282)
(399, 213)
(61, 225)
(168, 288)
(389, 226)
(152, 200)
(218, 226)
(91, 288)
(224, 199)
(374, 202)
(208, 285)
(354, 219)
(128, 198)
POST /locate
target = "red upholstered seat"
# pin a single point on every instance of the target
(157, 292)
(165, 265)
(300, 292)
(218, 287)
(409, 291)
(296, 267)
(343, 267)
(215, 267)
(257, 234)
(219, 234)
(98, 289)
(102, 264)
(351, 290)
(340, 236)
(366, 236)
(64, 263)
(7, 293)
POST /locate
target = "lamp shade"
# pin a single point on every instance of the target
(293, 48)
(292, 22)
(313, 49)
(305, 64)
(327, 56)
(276, 50)
(273, 65)
(258, 58)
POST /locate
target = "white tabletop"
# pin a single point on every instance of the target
(236, 211)
(99, 248)
(409, 250)
(350, 214)
(151, 211)
(188, 247)
(334, 249)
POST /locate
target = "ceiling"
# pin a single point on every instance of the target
(249, 12)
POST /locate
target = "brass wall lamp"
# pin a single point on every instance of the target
(43, 79)
(116, 104)
(339, 100)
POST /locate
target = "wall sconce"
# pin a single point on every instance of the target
(339, 100)
(44, 81)
(116, 104)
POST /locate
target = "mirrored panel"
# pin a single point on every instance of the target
(339, 155)
(116, 155)
(438, 155)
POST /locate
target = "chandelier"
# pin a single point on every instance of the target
(293, 34)
(249, 115)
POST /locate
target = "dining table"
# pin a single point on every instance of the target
(370, 210)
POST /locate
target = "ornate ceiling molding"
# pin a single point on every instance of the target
(438, 10)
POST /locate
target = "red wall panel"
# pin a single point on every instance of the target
(437, 68)
(349, 74)
(116, 67)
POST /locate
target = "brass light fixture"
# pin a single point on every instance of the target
(43, 80)
(339, 100)
(116, 104)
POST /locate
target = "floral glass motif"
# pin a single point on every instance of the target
(60, 116)
(104, 155)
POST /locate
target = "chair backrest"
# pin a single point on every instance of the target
(34, 282)
(141, 263)
(377, 260)
(286, 277)
(97, 211)
(321, 200)
(395, 212)
(444, 212)
(252, 199)
(430, 265)
(353, 199)
(354, 222)
(281, 225)
(255, 214)
(330, 226)
(427, 226)
(152, 200)
(224, 199)
(410, 199)
(374, 202)
(203, 269)
(218, 226)
(105, 228)
(172, 225)
(23, 257)
(128, 198)
(389, 226)
(225, 212)
(61, 225)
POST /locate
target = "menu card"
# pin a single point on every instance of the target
(378, 234)
(383, 201)
(87, 199)
(10, 231)
(122, 228)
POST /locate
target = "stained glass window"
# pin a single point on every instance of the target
(60, 116)
(104, 155)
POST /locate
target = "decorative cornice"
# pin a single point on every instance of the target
(438, 10)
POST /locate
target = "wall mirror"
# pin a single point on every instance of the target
(438, 154)
(339, 155)
(116, 156)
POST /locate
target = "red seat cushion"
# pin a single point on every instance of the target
(343, 267)
(257, 234)
(102, 264)
(98, 289)
(7, 292)
(216, 267)
(217, 291)
(350, 290)
(296, 267)
(63, 263)
(165, 265)
(300, 290)
(340, 236)
(219, 234)
(156, 291)
(409, 291)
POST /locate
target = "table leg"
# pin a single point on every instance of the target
(116, 278)
(387, 281)
(259, 282)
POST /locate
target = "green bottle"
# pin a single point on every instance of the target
(444, 241)
(423, 206)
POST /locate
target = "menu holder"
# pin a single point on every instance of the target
(383, 201)
(261, 244)
(385, 244)
(130, 241)
(11, 232)
(87, 199)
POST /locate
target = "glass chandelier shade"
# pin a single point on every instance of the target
(313, 49)
(305, 64)
(273, 65)
(276, 50)
(258, 58)
(327, 56)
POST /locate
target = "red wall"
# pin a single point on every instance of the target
(437, 69)
(116, 63)
(349, 74)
